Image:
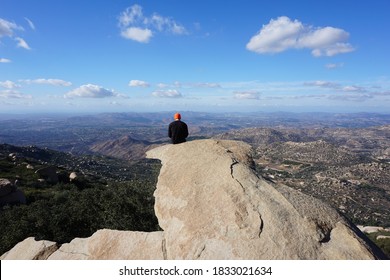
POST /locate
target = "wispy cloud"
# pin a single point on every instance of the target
(170, 93)
(9, 84)
(10, 29)
(5, 60)
(22, 43)
(134, 25)
(178, 84)
(352, 97)
(30, 23)
(324, 84)
(206, 85)
(337, 86)
(53, 82)
(90, 91)
(13, 94)
(348, 92)
(283, 33)
(138, 83)
(353, 89)
(246, 94)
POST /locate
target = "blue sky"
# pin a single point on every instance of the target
(215, 56)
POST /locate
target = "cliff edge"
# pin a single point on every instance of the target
(211, 204)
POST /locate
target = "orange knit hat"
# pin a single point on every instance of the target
(177, 116)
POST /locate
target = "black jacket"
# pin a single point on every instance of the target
(178, 131)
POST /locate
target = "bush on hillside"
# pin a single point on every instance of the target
(62, 212)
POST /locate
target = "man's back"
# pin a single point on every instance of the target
(178, 131)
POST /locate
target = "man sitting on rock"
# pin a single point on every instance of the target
(178, 130)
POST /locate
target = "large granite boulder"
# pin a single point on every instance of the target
(212, 205)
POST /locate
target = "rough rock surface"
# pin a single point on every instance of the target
(212, 205)
(114, 245)
(29, 249)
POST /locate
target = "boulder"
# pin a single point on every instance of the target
(6, 187)
(49, 173)
(72, 176)
(10, 194)
(30, 249)
(114, 245)
(382, 237)
(370, 229)
(29, 166)
(212, 205)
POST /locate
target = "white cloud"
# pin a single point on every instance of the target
(178, 84)
(131, 15)
(53, 82)
(246, 94)
(351, 97)
(324, 84)
(13, 94)
(90, 91)
(162, 85)
(171, 93)
(9, 84)
(136, 26)
(282, 34)
(165, 24)
(137, 34)
(5, 60)
(22, 43)
(354, 89)
(207, 85)
(138, 83)
(30, 23)
(337, 86)
(332, 50)
(7, 28)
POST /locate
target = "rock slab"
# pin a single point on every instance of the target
(212, 205)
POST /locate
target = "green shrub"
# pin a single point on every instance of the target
(383, 244)
(63, 212)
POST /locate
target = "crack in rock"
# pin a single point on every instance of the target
(234, 162)
(164, 248)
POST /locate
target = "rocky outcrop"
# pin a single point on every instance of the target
(114, 245)
(211, 204)
(49, 173)
(10, 194)
(30, 249)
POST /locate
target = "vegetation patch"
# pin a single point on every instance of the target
(68, 209)
(382, 240)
